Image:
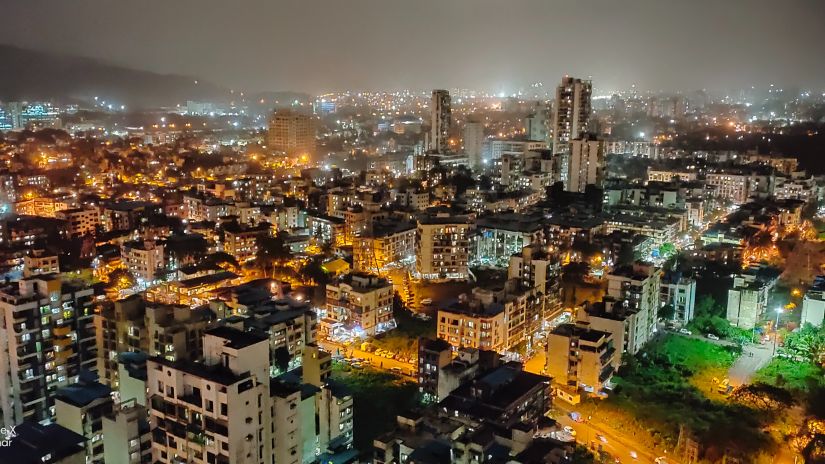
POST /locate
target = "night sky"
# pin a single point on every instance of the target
(317, 45)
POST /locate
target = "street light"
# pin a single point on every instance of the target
(776, 330)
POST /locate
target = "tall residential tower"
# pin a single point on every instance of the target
(571, 113)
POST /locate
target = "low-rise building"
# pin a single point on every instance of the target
(361, 302)
(81, 408)
(144, 259)
(813, 305)
(679, 291)
(748, 299)
(80, 221)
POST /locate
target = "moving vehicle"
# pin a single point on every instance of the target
(713, 337)
(601, 438)
(569, 430)
(427, 301)
(634, 455)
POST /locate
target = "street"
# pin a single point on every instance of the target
(753, 358)
(618, 445)
(407, 369)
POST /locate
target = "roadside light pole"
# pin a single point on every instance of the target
(776, 331)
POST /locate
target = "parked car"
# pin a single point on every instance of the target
(685, 331)
(713, 337)
(634, 455)
(601, 438)
(427, 301)
(569, 430)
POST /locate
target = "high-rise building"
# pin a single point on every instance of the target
(536, 123)
(49, 338)
(474, 143)
(571, 113)
(292, 133)
(440, 120)
(214, 411)
(585, 164)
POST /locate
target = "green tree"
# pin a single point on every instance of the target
(667, 312)
(807, 342)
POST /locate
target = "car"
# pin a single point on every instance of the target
(427, 301)
(395, 370)
(660, 460)
(357, 366)
(569, 430)
(601, 438)
(634, 455)
(684, 331)
(712, 337)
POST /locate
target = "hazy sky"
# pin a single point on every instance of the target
(316, 45)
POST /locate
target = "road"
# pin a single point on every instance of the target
(618, 445)
(753, 358)
(407, 369)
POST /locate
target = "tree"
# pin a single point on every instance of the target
(282, 358)
(272, 251)
(807, 342)
(763, 396)
(667, 312)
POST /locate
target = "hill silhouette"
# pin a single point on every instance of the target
(36, 75)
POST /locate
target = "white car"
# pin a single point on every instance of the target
(684, 331)
(570, 430)
(634, 455)
(713, 337)
(601, 438)
(427, 301)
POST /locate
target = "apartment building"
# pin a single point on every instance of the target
(241, 241)
(143, 258)
(80, 221)
(49, 338)
(442, 247)
(391, 243)
(637, 287)
(679, 291)
(37, 262)
(213, 411)
(361, 302)
(433, 355)
(580, 358)
(126, 434)
(748, 299)
(80, 408)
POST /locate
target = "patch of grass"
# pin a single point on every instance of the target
(796, 377)
(664, 387)
(378, 397)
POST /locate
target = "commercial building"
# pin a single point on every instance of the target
(442, 247)
(49, 339)
(361, 302)
(571, 112)
(292, 133)
(440, 121)
(580, 358)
